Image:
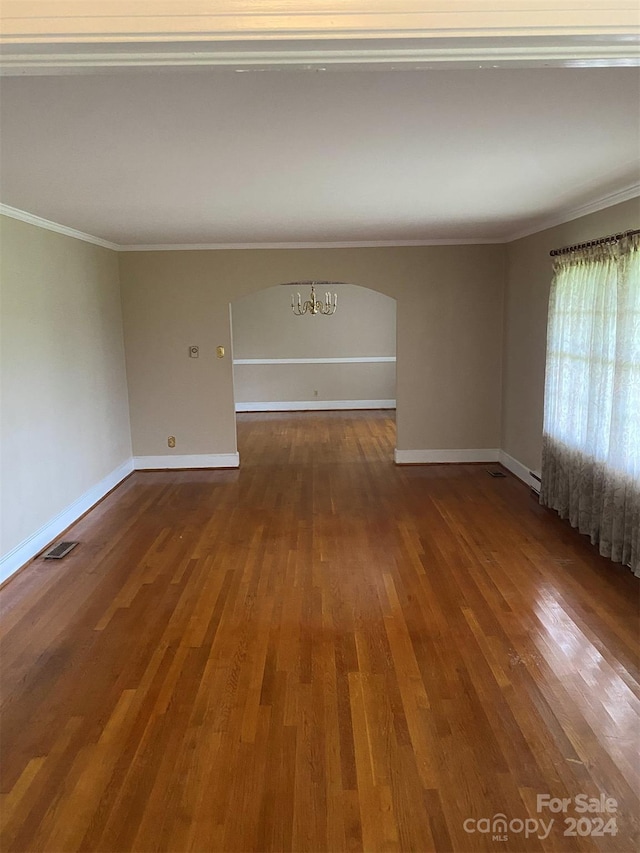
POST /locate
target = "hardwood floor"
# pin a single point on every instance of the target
(319, 652)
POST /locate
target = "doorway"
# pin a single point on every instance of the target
(287, 363)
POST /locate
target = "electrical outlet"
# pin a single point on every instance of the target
(171, 441)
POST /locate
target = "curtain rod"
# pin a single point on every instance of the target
(612, 238)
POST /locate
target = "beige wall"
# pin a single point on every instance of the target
(371, 384)
(64, 417)
(449, 344)
(64, 421)
(264, 327)
(64, 409)
(526, 302)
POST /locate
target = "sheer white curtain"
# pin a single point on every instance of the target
(591, 445)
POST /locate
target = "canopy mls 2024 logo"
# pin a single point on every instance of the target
(591, 816)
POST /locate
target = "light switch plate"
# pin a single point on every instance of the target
(194, 352)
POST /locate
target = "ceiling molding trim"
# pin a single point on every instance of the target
(438, 53)
(569, 214)
(353, 244)
(245, 19)
(48, 225)
(626, 194)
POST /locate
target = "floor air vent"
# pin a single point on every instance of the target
(496, 474)
(60, 550)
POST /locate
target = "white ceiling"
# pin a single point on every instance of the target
(214, 156)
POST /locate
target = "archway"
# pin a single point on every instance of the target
(282, 362)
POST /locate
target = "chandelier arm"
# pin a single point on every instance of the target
(313, 305)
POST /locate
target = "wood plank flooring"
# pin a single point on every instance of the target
(319, 652)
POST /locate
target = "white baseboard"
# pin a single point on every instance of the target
(33, 545)
(197, 460)
(521, 471)
(424, 457)
(314, 405)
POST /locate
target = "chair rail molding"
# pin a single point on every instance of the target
(356, 359)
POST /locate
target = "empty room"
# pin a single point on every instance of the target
(319, 426)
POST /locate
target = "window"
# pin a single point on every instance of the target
(591, 446)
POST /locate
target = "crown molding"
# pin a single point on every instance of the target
(569, 214)
(48, 225)
(625, 194)
(147, 20)
(431, 54)
(67, 35)
(353, 244)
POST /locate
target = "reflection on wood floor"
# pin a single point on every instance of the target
(319, 652)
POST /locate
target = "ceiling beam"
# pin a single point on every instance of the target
(45, 36)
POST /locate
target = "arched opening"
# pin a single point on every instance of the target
(288, 363)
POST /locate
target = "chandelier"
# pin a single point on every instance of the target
(313, 305)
